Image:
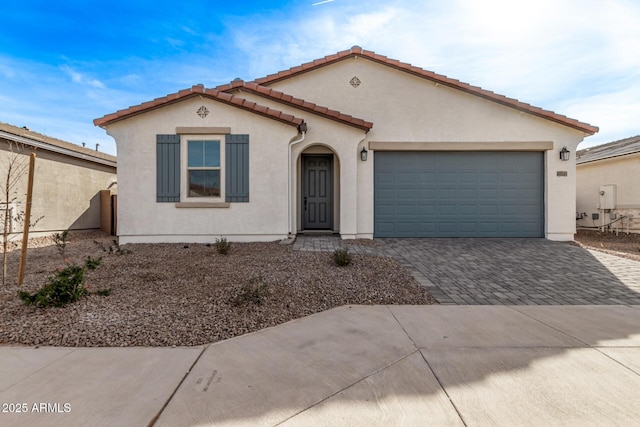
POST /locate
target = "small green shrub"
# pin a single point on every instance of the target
(104, 292)
(342, 257)
(92, 263)
(253, 292)
(61, 240)
(66, 286)
(223, 245)
(114, 248)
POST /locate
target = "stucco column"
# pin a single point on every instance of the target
(560, 190)
(349, 192)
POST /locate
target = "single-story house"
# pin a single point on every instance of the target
(67, 181)
(354, 143)
(607, 189)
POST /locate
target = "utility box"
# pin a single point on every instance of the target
(607, 196)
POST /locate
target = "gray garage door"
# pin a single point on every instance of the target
(459, 194)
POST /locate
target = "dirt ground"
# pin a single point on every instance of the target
(624, 245)
(175, 294)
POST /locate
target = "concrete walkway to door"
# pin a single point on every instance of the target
(503, 271)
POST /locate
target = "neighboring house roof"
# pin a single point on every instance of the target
(429, 75)
(297, 103)
(606, 151)
(199, 90)
(25, 136)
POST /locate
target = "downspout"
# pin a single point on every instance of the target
(302, 128)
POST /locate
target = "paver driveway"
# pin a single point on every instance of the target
(505, 271)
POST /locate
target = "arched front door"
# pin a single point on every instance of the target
(317, 192)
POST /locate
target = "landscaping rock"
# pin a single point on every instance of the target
(166, 295)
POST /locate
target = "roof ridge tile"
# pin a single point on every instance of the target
(306, 105)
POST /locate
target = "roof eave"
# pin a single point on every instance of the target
(55, 149)
(212, 94)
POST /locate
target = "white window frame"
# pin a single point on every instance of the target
(184, 167)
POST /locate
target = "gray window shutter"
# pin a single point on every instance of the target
(237, 168)
(168, 168)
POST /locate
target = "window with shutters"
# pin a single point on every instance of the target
(213, 169)
(203, 169)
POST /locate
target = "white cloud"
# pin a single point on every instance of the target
(79, 78)
(575, 57)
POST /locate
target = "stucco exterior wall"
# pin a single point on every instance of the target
(142, 219)
(345, 142)
(406, 108)
(66, 191)
(623, 172)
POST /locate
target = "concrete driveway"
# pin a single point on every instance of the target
(505, 271)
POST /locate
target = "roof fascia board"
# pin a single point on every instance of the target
(175, 98)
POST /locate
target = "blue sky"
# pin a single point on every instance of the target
(62, 64)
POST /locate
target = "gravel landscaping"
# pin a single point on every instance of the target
(622, 244)
(174, 294)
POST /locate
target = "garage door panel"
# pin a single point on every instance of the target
(506, 209)
(405, 210)
(446, 194)
(486, 210)
(445, 178)
(531, 226)
(487, 193)
(385, 194)
(459, 194)
(488, 177)
(468, 210)
(385, 210)
(489, 228)
(384, 179)
(447, 227)
(405, 178)
(530, 210)
(405, 194)
(509, 227)
(406, 227)
(509, 194)
(467, 194)
(425, 193)
(444, 209)
(467, 177)
(425, 209)
(468, 227)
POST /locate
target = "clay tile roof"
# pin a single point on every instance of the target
(45, 142)
(429, 75)
(199, 90)
(302, 105)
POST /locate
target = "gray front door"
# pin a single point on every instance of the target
(317, 192)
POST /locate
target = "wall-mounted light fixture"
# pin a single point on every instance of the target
(564, 154)
(363, 154)
(302, 127)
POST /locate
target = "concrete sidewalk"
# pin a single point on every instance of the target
(357, 365)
